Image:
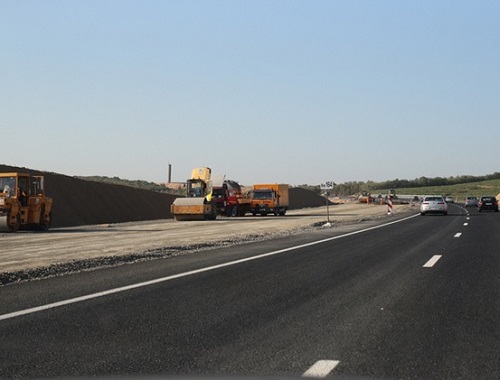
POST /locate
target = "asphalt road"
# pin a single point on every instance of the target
(414, 299)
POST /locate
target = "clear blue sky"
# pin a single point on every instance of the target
(299, 92)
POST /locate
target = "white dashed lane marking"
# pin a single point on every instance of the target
(458, 234)
(434, 259)
(321, 368)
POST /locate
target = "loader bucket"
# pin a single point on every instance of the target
(191, 209)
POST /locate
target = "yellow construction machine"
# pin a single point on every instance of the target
(23, 203)
(198, 203)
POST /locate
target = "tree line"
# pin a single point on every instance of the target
(356, 187)
(346, 188)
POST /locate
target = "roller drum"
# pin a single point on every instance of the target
(4, 227)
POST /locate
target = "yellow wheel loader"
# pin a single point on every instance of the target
(23, 204)
(198, 204)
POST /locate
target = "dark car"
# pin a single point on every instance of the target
(487, 202)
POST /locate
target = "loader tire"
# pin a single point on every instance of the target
(15, 227)
(45, 225)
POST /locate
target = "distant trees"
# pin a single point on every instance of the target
(348, 188)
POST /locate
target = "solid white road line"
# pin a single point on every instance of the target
(432, 261)
(186, 274)
(321, 368)
(458, 234)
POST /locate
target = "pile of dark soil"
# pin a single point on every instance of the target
(79, 202)
(303, 198)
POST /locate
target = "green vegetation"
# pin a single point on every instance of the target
(458, 187)
(457, 191)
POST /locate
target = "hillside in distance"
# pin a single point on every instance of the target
(457, 191)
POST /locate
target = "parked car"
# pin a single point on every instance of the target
(487, 202)
(470, 201)
(433, 204)
(449, 199)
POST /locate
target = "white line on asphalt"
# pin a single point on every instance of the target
(432, 261)
(321, 368)
(458, 234)
(186, 274)
(466, 224)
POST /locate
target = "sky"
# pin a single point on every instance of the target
(298, 92)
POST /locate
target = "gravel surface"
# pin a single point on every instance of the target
(29, 255)
(97, 225)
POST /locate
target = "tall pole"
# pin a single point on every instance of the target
(327, 207)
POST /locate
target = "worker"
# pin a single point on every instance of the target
(23, 198)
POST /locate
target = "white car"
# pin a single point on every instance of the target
(471, 201)
(433, 204)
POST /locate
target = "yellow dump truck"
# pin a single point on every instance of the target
(198, 203)
(269, 198)
(23, 204)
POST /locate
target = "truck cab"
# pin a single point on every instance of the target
(269, 199)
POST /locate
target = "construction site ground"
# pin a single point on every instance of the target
(27, 255)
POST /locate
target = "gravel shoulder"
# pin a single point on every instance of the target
(28, 255)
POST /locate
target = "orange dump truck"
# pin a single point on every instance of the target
(229, 199)
(269, 198)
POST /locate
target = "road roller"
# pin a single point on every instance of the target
(23, 204)
(198, 203)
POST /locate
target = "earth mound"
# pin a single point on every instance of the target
(80, 202)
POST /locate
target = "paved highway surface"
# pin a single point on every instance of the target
(414, 299)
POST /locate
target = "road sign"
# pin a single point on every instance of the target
(328, 185)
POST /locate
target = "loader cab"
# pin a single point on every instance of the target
(23, 203)
(27, 187)
(196, 188)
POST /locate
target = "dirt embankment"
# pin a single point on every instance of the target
(78, 202)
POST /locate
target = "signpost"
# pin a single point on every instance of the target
(326, 187)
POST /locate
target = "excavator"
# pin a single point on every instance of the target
(198, 203)
(23, 204)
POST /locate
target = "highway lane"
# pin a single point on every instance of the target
(366, 302)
